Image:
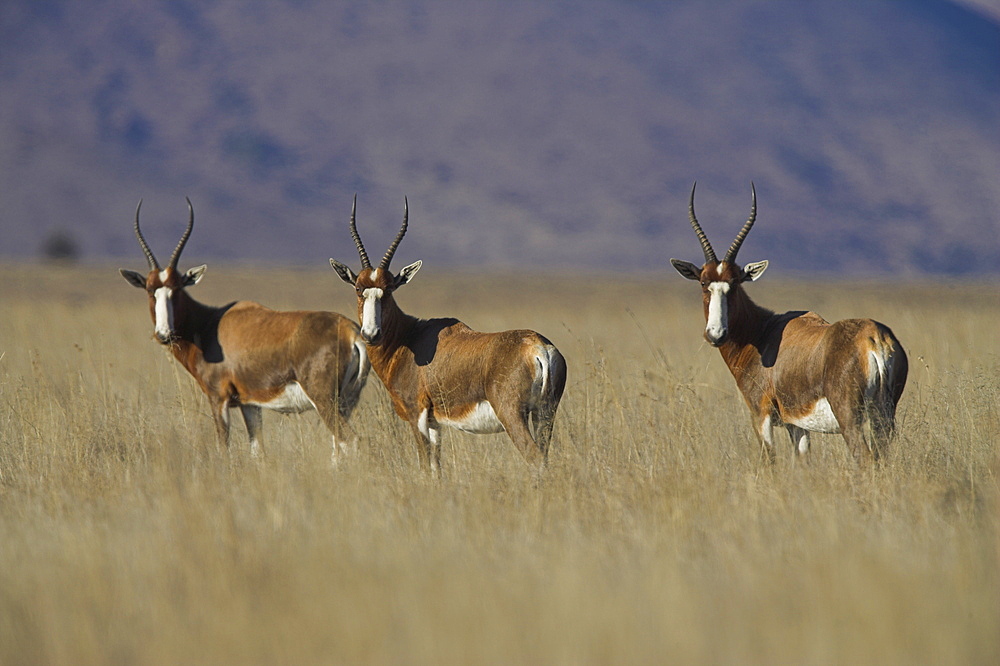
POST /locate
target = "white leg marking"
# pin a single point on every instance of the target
(718, 311)
(800, 439)
(435, 451)
(342, 448)
(767, 432)
(422, 424)
(431, 433)
(336, 451)
(371, 313)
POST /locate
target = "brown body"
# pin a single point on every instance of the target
(248, 356)
(796, 369)
(441, 372)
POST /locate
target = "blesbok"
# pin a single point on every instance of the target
(441, 372)
(796, 369)
(248, 356)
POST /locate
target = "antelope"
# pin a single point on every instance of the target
(440, 372)
(796, 369)
(248, 356)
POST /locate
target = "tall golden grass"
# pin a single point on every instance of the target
(657, 535)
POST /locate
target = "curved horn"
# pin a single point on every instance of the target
(184, 239)
(395, 243)
(153, 265)
(706, 247)
(357, 238)
(735, 247)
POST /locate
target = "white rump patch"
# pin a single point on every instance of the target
(876, 368)
(356, 371)
(481, 420)
(293, 400)
(820, 419)
(543, 363)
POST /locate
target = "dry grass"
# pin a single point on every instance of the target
(657, 535)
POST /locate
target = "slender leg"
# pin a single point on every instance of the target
(336, 423)
(542, 421)
(800, 439)
(428, 442)
(220, 414)
(856, 443)
(253, 417)
(766, 431)
(880, 426)
(422, 433)
(433, 435)
(852, 427)
(516, 425)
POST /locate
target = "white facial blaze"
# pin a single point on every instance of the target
(164, 326)
(371, 313)
(718, 310)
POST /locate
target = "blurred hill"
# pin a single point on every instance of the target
(537, 135)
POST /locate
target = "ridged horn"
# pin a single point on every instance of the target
(395, 243)
(153, 265)
(740, 237)
(184, 238)
(365, 263)
(706, 247)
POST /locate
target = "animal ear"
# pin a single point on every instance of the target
(133, 278)
(407, 273)
(194, 275)
(344, 271)
(753, 271)
(686, 269)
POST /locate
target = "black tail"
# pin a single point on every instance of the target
(881, 402)
(552, 382)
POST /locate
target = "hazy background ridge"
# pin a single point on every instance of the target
(524, 134)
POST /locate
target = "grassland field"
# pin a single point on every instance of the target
(658, 533)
